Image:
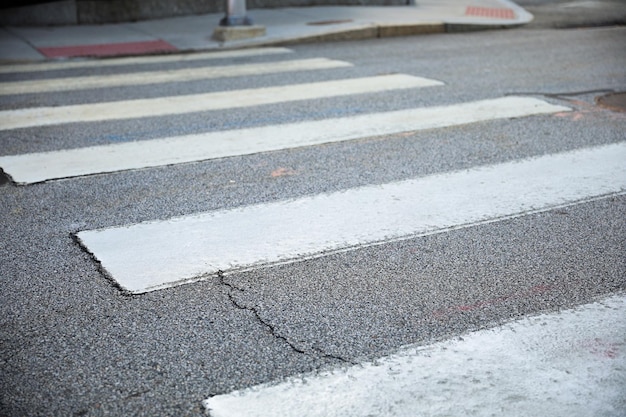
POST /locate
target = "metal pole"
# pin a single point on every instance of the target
(236, 14)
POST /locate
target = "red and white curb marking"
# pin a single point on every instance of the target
(566, 364)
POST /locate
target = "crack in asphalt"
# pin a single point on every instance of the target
(271, 328)
(99, 267)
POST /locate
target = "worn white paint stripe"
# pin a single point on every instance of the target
(153, 59)
(157, 77)
(132, 109)
(159, 254)
(37, 167)
(565, 364)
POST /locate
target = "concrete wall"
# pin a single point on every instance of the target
(72, 12)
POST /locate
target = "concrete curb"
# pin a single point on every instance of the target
(372, 31)
(385, 30)
(288, 26)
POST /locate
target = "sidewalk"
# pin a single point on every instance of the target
(283, 26)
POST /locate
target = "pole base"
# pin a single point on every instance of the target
(236, 21)
(233, 33)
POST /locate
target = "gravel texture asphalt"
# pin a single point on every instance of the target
(72, 344)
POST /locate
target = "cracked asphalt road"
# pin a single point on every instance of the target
(72, 344)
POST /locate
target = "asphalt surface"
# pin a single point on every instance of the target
(561, 14)
(72, 344)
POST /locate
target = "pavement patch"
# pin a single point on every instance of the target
(613, 101)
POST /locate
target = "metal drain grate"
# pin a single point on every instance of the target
(495, 13)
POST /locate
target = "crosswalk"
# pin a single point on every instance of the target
(168, 252)
(134, 255)
(174, 105)
(179, 75)
(142, 60)
(511, 370)
(39, 167)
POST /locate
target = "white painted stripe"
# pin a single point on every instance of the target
(156, 77)
(160, 254)
(37, 167)
(153, 59)
(132, 109)
(565, 364)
